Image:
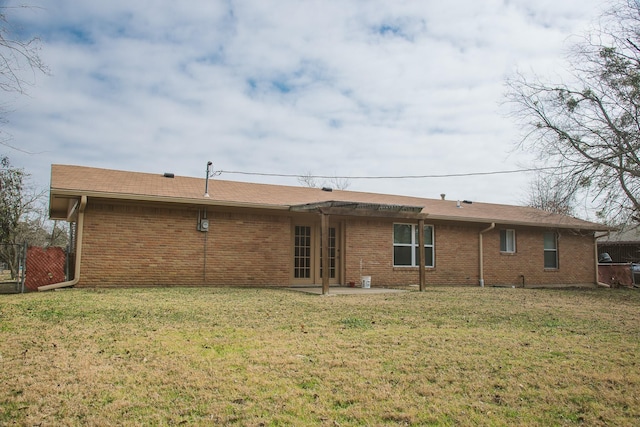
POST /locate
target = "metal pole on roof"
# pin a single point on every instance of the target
(206, 183)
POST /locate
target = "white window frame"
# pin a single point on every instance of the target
(509, 241)
(550, 250)
(414, 245)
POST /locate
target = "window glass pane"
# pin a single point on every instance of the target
(507, 240)
(550, 240)
(402, 255)
(550, 259)
(428, 235)
(302, 252)
(428, 257)
(402, 233)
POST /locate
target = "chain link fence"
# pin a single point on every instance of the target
(13, 265)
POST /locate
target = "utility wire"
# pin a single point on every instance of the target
(449, 175)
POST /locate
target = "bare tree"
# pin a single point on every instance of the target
(311, 181)
(19, 62)
(549, 194)
(23, 216)
(20, 220)
(34, 230)
(589, 128)
(17, 55)
(339, 183)
(11, 205)
(11, 210)
(308, 180)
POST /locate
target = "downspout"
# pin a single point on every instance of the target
(481, 253)
(76, 276)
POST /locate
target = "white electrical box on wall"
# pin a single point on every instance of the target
(204, 225)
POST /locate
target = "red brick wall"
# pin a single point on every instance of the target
(44, 267)
(368, 241)
(457, 257)
(245, 249)
(127, 244)
(457, 261)
(576, 259)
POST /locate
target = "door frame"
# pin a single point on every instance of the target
(316, 254)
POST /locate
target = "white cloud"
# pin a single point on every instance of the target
(349, 87)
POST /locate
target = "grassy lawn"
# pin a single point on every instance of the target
(261, 357)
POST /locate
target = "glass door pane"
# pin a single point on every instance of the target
(332, 254)
(302, 252)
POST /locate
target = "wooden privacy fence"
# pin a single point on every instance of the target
(44, 267)
(619, 274)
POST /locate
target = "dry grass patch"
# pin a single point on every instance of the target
(272, 357)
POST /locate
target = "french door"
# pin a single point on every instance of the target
(307, 254)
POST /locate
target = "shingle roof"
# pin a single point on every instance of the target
(631, 235)
(74, 181)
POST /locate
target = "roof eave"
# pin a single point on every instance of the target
(62, 193)
(590, 227)
(62, 214)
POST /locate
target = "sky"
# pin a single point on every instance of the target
(338, 88)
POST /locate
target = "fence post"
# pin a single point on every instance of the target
(23, 262)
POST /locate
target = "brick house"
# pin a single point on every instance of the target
(139, 229)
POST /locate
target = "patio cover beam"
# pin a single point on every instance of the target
(421, 254)
(341, 208)
(325, 253)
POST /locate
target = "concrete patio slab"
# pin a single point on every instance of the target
(340, 290)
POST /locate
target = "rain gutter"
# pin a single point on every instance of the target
(76, 276)
(481, 253)
(168, 199)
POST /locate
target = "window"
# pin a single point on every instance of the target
(406, 245)
(508, 241)
(550, 250)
